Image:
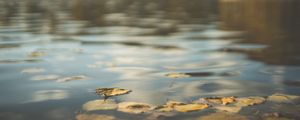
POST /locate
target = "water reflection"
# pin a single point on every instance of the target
(275, 24)
(45, 95)
(133, 44)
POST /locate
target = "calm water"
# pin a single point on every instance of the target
(230, 48)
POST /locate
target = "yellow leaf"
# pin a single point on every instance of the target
(135, 108)
(177, 75)
(112, 91)
(249, 101)
(190, 107)
(282, 98)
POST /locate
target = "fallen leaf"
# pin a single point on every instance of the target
(45, 77)
(282, 98)
(135, 108)
(190, 107)
(72, 78)
(249, 101)
(108, 104)
(168, 107)
(231, 109)
(223, 116)
(36, 54)
(177, 75)
(111, 91)
(94, 117)
(33, 70)
(227, 100)
(220, 100)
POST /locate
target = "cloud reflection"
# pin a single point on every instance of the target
(45, 95)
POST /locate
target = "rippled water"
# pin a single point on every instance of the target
(252, 52)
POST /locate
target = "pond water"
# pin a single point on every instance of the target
(226, 48)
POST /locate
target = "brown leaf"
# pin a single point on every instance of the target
(111, 91)
(135, 108)
(282, 98)
(190, 107)
(249, 101)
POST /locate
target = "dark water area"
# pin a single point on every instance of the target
(226, 47)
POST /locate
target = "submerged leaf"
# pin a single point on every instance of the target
(94, 117)
(223, 116)
(108, 104)
(190, 107)
(177, 75)
(249, 101)
(282, 98)
(72, 78)
(111, 91)
(135, 108)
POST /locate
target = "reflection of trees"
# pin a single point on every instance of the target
(275, 23)
(93, 10)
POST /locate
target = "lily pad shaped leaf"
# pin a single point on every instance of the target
(134, 107)
(282, 98)
(94, 117)
(108, 104)
(177, 75)
(190, 107)
(72, 78)
(111, 91)
(249, 101)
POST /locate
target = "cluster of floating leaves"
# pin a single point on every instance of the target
(224, 104)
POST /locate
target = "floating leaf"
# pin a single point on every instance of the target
(177, 75)
(190, 107)
(94, 117)
(72, 78)
(282, 98)
(108, 104)
(133, 107)
(231, 109)
(33, 70)
(223, 116)
(169, 106)
(220, 100)
(111, 91)
(249, 101)
(227, 100)
(45, 77)
(36, 54)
